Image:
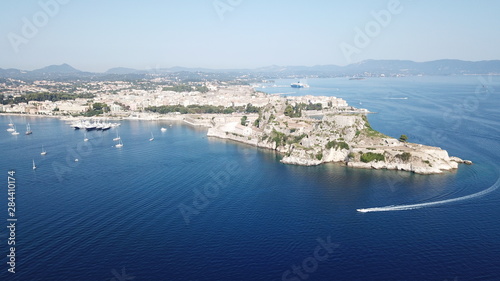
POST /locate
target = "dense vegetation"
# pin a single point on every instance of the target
(293, 111)
(43, 97)
(278, 137)
(186, 88)
(370, 156)
(200, 109)
(252, 109)
(282, 138)
(312, 106)
(97, 109)
(336, 145)
(405, 156)
(296, 111)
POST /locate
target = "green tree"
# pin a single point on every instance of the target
(99, 106)
(256, 123)
(251, 109)
(403, 138)
(244, 120)
(289, 111)
(293, 111)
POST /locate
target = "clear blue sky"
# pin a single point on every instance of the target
(96, 35)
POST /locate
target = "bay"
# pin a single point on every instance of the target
(116, 213)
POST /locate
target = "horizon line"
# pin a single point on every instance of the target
(249, 68)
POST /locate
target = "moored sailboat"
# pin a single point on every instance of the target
(28, 129)
(15, 131)
(119, 144)
(117, 137)
(43, 151)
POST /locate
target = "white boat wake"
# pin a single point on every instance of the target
(430, 204)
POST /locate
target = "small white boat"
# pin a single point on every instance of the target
(44, 152)
(34, 166)
(11, 129)
(119, 144)
(15, 133)
(76, 159)
(10, 122)
(163, 129)
(152, 137)
(117, 137)
(85, 137)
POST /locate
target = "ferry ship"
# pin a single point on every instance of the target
(299, 85)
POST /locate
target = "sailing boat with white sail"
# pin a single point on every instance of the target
(28, 129)
(15, 131)
(119, 144)
(117, 137)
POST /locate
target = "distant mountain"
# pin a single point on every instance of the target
(125, 70)
(58, 69)
(364, 68)
(438, 67)
(188, 69)
(10, 72)
(122, 70)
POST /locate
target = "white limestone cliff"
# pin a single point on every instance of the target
(337, 137)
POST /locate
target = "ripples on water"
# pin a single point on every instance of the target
(119, 208)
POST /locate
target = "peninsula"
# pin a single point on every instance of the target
(339, 133)
(306, 130)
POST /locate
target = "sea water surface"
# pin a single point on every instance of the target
(188, 207)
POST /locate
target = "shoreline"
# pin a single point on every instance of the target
(313, 137)
(68, 118)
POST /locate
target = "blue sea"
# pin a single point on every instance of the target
(188, 207)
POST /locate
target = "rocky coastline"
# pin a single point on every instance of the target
(340, 137)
